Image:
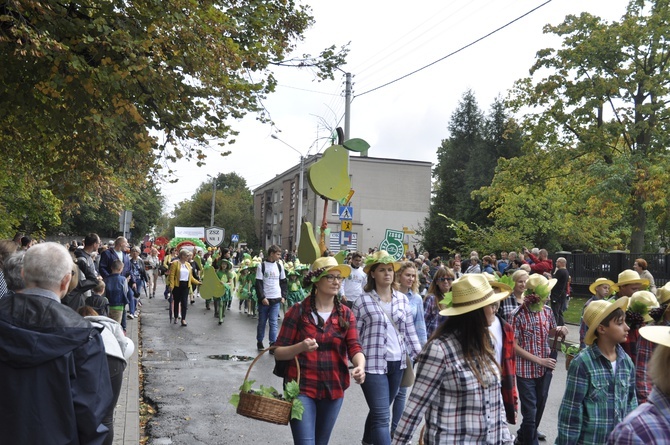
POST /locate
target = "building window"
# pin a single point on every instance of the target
(293, 195)
(274, 219)
(281, 195)
(281, 217)
(335, 208)
(276, 199)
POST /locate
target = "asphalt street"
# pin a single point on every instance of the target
(191, 372)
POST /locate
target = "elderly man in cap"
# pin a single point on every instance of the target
(55, 381)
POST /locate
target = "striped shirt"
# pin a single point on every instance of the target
(458, 409)
(373, 331)
(596, 397)
(648, 424)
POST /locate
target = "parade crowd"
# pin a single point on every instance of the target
(462, 345)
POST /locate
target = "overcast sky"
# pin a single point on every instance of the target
(389, 39)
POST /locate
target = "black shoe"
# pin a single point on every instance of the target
(272, 351)
(259, 346)
(541, 436)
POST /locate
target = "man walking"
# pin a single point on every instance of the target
(271, 290)
(55, 387)
(559, 293)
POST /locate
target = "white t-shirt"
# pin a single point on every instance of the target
(352, 286)
(271, 287)
(324, 316)
(183, 273)
(393, 351)
(497, 337)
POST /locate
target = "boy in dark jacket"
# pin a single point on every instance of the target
(117, 293)
(98, 301)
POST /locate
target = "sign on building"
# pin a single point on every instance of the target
(189, 232)
(393, 243)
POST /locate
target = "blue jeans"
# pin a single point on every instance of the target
(317, 421)
(531, 397)
(379, 391)
(398, 407)
(132, 301)
(265, 314)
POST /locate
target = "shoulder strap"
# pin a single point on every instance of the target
(387, 317)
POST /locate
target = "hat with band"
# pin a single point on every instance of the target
(597, 311)
(471, 292)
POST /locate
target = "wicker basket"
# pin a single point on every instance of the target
(265, 408)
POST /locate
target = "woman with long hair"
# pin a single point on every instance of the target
(457, 378)
(180, 277)
(387, 333)
(408, 284)
(321, 332)
(439, 287)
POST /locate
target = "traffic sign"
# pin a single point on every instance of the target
(214, 236)
(346, 213)
(346, 225)
(235, 238)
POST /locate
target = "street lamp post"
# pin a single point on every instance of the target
(300, 186)
(211, 220)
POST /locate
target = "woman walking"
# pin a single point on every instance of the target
(321, 332)
(180, 277)
(408, 284)
(439, 287)
(457, 383)
(387, 334)
(152, 262)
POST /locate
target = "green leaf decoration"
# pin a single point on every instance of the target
(542, 291)
(297, 409)
(246, 386)
(639, 307)
(356, 144)
(447, 300)
(506, 279)
(569, 349)
(269, 391)
(292, 390)
(234, 399)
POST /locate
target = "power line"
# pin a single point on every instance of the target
(456, 51)
(305, 89)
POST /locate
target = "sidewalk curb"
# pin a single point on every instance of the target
(127, 414)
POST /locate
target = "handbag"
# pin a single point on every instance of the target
(408, 374)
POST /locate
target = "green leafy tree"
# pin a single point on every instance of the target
(466, 162)
(104, 93)
(600, 103)
(233, 209)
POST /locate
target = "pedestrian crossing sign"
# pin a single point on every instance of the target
(346, 213)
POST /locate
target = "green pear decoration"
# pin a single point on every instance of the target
(211, 287)
(308, 250)
(329, 176)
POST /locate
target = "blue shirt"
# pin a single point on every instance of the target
(648, 424)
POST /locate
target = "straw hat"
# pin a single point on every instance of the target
(329, 264)
(537, 279)
(493, 281)
(657, 334)
(663, 294)
(599, 281)
(380, 257)
(470, 292)
(597, 311)
(629, 276)
(647, 298)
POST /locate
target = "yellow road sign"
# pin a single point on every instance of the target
(346, 226)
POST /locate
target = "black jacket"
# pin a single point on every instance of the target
(55, 383)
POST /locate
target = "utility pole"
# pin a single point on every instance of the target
(211, 221)
(347, 107)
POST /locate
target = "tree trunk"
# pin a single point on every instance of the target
(638, 224)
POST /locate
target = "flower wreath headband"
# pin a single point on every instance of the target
(534, 298)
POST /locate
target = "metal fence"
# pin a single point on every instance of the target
(586, 267)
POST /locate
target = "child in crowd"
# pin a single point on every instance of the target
(600, 389)
(98, 301)
(117, 292)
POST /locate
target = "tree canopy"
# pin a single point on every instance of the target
(103, 94)
(599, 107)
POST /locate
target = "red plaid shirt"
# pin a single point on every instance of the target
(508, 375)
(324, 373)
(531, 330)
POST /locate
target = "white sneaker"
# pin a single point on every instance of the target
(131, 316)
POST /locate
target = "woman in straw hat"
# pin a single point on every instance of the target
(649, 423)
(600, 388)
(534, 323)
(321, 332)
(457, 378)
(601, 289)
(659, 316)
(387, 334)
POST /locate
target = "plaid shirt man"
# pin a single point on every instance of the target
(448, 392)
(648, 424)
(596, 398)
(324, 373)
(372, 326)
(531, 330)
